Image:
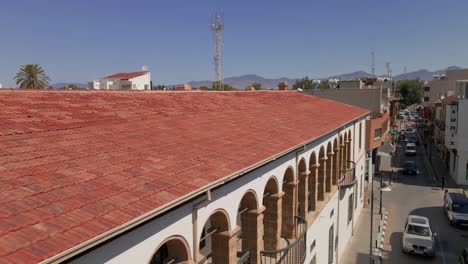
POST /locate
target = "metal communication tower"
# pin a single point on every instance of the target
(373, 64)
(389, 70)
(217, 26)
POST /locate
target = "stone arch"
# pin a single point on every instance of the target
(329, 167)
(272, 216)
(288, 204)
(174, 248)
(250, 221)
(223, 239)
(344, 151)
(313, 165)
(303, 175)
(321, 175)
(336, 167)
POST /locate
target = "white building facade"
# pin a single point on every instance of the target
(124, 81)
(456, 139)
(309, 198)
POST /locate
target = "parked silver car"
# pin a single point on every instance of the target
(418, 237)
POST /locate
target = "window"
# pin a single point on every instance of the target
(314, 260)
(312, 246)
(360, 135)
(377, 133)
(203, 242)
(426, 98)
(350, 207)
(427, 89)
(330, 245)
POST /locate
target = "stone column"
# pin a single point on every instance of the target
(330, 171)
(313, 186)
(224, 247)
(289, 210)
(252, 233)
(302, 195)
(342, 156)
(272, 221)
(336, 166)
(321, 179)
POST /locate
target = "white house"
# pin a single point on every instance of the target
(140, 80)
(180, 177)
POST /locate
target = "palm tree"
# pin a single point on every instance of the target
(31, 76)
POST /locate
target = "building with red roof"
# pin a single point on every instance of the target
(187, 176)
(140, 80)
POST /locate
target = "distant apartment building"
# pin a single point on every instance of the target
(456, 137)
(179, 177)
(381, 104)
(443, 85)
(140, 80)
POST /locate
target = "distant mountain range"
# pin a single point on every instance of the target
(242, 81)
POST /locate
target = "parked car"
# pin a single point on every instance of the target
(402, 137)
(410, 167)
(418, 237)
(456, 208)
(410, 149)
(413, 139)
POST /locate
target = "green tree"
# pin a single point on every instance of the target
(410, 91)
(31, 76)
(72, 86)
(324, 85)
(226, 87)
(204, 88)
(304, 83)
(257, 86)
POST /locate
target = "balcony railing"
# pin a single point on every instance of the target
(244, 258)
(347, 176)
(294, 252)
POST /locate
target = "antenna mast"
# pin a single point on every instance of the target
(373, 64)
(389, 70)
(217, 26)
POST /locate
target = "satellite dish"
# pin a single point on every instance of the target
(144, 68)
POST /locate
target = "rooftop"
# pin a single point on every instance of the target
(77, 164)
(126, 75)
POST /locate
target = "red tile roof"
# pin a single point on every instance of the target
(75, 164)
(126, 75)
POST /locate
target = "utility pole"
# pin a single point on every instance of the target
(217, 27)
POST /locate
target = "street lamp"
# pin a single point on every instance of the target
(383, 188)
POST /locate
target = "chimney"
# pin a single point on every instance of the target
(283, 86)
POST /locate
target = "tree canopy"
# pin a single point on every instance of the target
(304, 83)
(31, 76)
(257, 86)
(324, 84)
(226, 87)
(410, 91)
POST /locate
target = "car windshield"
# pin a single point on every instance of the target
(460, 208)
(410, 165)
(410, 148)
(418, 230)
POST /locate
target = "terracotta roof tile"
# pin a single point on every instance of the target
(126, 75)
(76, 164)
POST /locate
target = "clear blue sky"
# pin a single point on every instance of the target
(78, 41)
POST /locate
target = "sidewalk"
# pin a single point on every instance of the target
(357, 248)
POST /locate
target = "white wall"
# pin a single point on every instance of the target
(138, 83)
(140, 244)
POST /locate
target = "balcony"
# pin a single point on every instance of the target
(347, 176)
(294, 252)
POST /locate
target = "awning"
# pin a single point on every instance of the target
(385, 150)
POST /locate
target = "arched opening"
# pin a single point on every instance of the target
(272, 217)
(250, 220)
(343, 151)
(288, 204)
(329, 168)
(313, 165)
(321, 175)
(302, 189)
(173, 250)
(336, 162)
(217, 240)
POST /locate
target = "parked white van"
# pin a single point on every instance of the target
(456, 208)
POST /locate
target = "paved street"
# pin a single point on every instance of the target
(420, 195)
